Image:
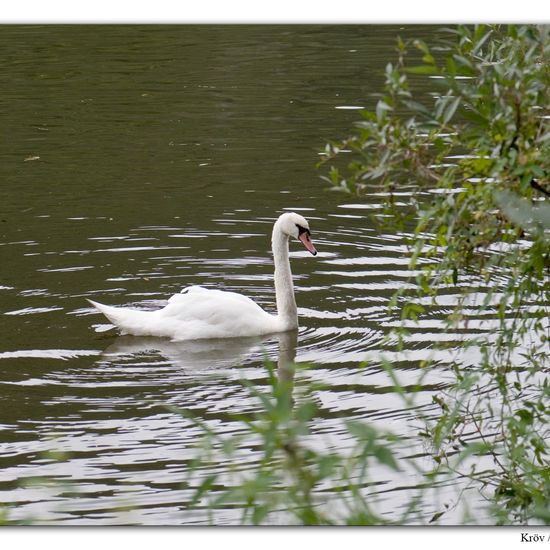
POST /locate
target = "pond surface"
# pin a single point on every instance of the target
(138, 160)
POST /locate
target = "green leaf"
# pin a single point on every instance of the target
(525, 415)
(260, 512)
(381, 108)
(450, 110)
(360, 430)
(451, 67)
(205, 486)
(475, 117)
(422, 69)
(422, 46)
(464, 66)
(481, 41)
(385, 456)
(417, 107)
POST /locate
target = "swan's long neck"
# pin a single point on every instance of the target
(284, 289)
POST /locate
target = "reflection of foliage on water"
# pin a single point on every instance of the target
(478, 154)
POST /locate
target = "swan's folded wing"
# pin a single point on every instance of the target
(217, 313)
(194, 295)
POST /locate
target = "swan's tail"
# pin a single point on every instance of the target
(129, 321)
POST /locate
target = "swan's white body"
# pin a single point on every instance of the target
(199, 312)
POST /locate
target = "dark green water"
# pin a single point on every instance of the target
(137, 160)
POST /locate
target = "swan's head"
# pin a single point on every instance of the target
(297, 227)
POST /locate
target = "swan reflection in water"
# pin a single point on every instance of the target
(211, 355)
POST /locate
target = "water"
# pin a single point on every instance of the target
(141, 159)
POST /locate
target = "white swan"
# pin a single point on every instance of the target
(198, 312)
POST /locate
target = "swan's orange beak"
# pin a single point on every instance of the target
(306, 241)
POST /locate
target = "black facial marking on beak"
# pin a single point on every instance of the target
(304, 237)
(302, 230)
